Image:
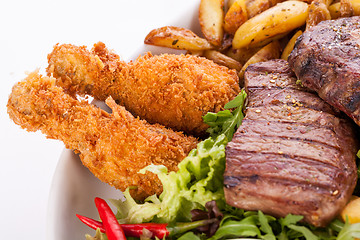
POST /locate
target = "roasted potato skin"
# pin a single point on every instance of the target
(222, 59)
(280, 19)
(177, 38)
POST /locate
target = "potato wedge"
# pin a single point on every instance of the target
(270, 51)
(226, 42)
(242, 55)
(290, 45)
(196, 53)
(211, 18)
(235, 16)
(335, 9)
(346, 9)
(352, 210)
(318, 11)
(277, 20)
(222, 59)
(230, 2)
(268, 40)
(254, 7)
(177, 38)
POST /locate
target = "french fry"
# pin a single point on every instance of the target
(177, 38)
(222, 59)
(235, 16)
(270, 51)
(318, 11)
(211, 18)
(277, 20)
(290, 45)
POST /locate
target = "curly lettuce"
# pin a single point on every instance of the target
(198, 181)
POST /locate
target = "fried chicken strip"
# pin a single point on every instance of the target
(173, 90)
(113, 146)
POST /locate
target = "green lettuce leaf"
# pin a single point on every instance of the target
(349, 231)
(226, 122)
(233, 227)
(198, 181)
(189, 236)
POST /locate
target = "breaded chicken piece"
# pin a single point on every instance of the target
(173, 90)
(113, 146)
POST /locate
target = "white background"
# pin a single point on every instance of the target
(28, 31)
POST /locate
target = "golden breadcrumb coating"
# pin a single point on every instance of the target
(113, 146)
(173, 90)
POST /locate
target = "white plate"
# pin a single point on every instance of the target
(74, 187)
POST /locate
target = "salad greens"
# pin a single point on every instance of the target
(200, 180)
(195, 183)
(226, 122)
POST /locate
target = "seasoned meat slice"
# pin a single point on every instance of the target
(293, 153)
(326, 59)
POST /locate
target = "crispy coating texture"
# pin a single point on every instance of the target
(113, 146)
(173, 90)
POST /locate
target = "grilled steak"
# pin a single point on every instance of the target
(291, 154)
(327, 59)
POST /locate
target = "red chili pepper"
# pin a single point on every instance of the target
(116, 231)
(113, 229)
(92, 223)
(158, 230)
